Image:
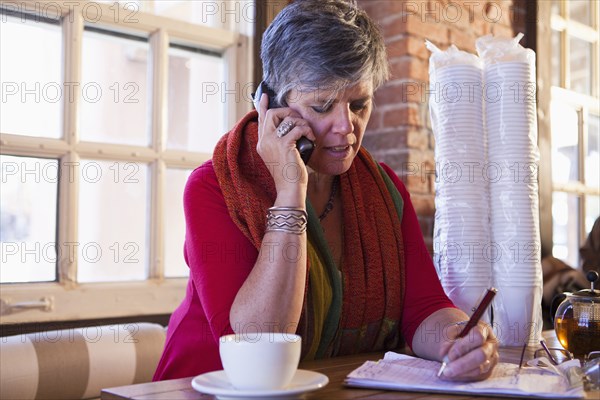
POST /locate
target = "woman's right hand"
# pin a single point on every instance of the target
(280, 154)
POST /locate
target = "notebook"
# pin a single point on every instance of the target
(405, 373)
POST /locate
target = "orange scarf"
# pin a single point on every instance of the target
(363, 299)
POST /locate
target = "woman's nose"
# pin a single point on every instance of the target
(342, 123)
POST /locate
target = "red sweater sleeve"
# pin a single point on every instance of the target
(423, 291)
(219, 255)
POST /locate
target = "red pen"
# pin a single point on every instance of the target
(483, 305)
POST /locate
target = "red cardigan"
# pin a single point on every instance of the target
(220, 258)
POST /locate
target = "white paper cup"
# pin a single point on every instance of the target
(467, 296)
(260, 361)
(518, 315)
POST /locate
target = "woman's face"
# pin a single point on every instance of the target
(338, 121)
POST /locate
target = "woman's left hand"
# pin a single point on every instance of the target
(473, 357)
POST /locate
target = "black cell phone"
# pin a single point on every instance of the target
(304, 145)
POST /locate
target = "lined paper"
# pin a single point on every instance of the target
(402, 372)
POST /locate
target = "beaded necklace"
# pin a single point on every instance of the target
(329, 205)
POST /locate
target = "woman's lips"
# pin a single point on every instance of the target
(338, 151)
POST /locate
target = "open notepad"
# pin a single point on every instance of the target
(406, 373)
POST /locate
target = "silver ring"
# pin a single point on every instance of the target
(284, 128)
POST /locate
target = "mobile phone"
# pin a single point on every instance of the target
(304, 145)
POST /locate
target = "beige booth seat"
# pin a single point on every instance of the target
(78, 363)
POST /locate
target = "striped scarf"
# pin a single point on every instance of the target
(357, 307)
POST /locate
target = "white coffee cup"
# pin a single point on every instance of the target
(261, 360)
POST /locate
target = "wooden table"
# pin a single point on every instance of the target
(335, 368)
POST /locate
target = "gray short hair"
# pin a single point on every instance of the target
(316, 44)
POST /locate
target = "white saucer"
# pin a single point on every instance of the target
(217, 384)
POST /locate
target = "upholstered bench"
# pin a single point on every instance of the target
(78, 363)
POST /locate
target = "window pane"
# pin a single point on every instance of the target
(197, 98)
(28, 219)
(27, 89)
(113, 221)
(565, 139)
(175, 265)
(580, 60)
(592, 158)
(218, 14)
(592, 211)
(581, 11)
(565, 227)
(556, 57)
(114, 90)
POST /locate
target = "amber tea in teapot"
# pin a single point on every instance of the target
(579, 340)
(577, 319)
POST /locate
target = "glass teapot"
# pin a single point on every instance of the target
(577, 319)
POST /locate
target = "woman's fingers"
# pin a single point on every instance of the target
(477, 362)
(472, 357)
(480, 372)
(279, 130)
(263, 106)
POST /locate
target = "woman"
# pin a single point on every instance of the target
(339, 257)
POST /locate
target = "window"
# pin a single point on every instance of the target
(106, 110)
(574, 125)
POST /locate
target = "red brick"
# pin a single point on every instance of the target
(437, 33)
(480, 27)
(408, 67)
(378, 9)
(413, 25)
(418, 171)
(395, 160)
(435, 11)
(456, 16)
(417, 139)
(407, 45)
(421, 164)
(397, 47)
(463, 40)
(496, 12)
(405, 114)
(432, 11)
(393, 118)
(427, 118)
(470, 10)
(417, 184)
(502, 31)
(424, 204)
(416, 47)
(400, 67)
(426, 225)
(387, 94)
(423, 110)
(393, 26)
(382, 141)
(413, 91)
(405, 91)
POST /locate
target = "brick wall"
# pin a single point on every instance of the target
(399, 132)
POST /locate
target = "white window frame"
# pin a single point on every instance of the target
(582, 103)
(67, 299)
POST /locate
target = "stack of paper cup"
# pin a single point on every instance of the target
(510, 120)
(461, 230)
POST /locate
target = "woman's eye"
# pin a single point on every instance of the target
(321, 109)
(358, 106)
